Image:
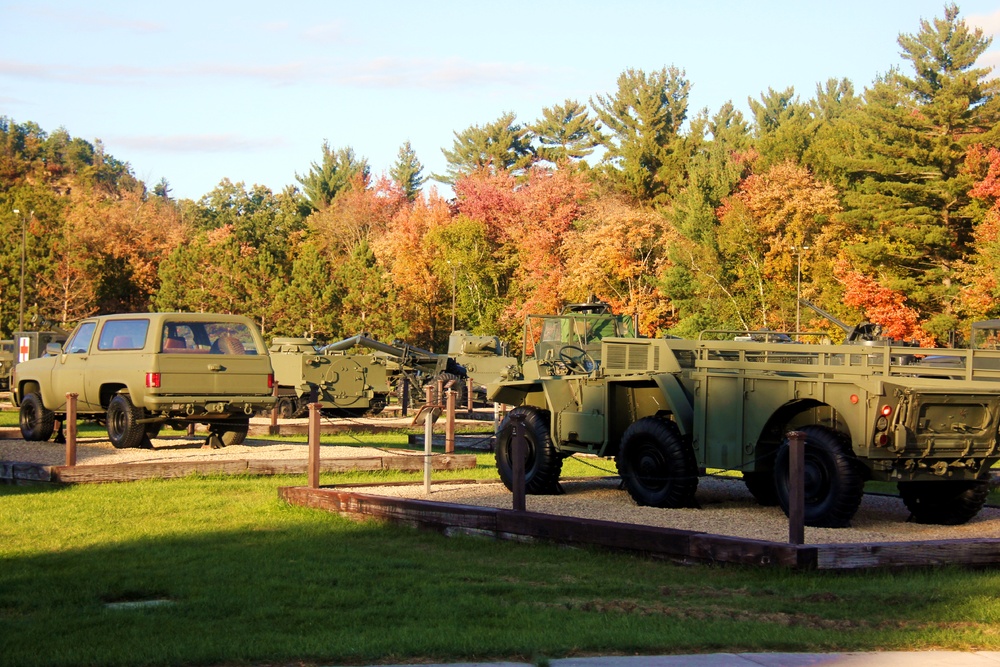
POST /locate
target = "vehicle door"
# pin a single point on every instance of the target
(69, 373)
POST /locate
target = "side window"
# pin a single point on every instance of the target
(123, 335)
(80, 342)
(208, 338)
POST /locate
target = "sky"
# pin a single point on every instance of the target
(198, 92)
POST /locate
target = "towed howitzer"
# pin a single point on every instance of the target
(864, 333)
(410, 365)
(353, 385)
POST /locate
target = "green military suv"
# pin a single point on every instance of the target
(140, 372)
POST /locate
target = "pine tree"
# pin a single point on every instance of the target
(908, 193)
(407, 170)
(646, 152)
(502, 144)
(566, 132)
(334, 173)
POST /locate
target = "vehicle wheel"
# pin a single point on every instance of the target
(37, 421)
(834, 484)
(542, 465)
(235, 433)
(460, 387)
(124, 431)
(760, 484)
(286, 408)
(949, 503)
(657, 464)
(377, 405)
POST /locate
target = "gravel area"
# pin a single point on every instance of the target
(726, 508)
(93, 451)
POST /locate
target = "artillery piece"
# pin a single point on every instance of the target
(353, 385)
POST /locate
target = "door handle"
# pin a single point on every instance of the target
(216, 367)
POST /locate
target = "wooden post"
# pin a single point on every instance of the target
(428, 435)
(440, 393)
(470, 396)
(71, 429)
(404, 400)
(517, 454)
(274, 428)
(796, 487)
(449, 425)
(314, 445)
(191, 430)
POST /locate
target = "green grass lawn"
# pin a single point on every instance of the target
(249, 579)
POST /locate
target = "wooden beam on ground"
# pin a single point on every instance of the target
(670, 543)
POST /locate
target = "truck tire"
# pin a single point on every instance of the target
(760, 484)
(948, 503)
(235, 433)
(124, 431)
(834, 484)
(657, 464)
(542, 465)
(37, 422)
(460, 387)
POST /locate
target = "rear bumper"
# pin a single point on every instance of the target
(200, 405)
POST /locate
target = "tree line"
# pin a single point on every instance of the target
(880, 205)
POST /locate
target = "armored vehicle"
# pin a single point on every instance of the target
(140, 372)
(26, 345)
(345, 385)
(484, 358)
(668, 409)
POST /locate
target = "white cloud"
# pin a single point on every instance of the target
(990, 23)
(325, 32)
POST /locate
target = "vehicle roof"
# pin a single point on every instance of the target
(196, 317)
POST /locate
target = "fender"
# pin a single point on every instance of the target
(678, 400)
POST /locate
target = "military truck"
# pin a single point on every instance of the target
(139, 372)
(668, 409)
(352, 385)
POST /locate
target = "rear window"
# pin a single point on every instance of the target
(123, 335)
(181, 337)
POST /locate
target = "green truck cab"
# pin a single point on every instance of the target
(668, 410)
(140, 372)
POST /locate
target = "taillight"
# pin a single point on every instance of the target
(886, 410)
(153, 380)
(270, 380)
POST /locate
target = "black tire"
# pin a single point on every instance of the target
(760, 484)
(377, 405)
(235, 433)
(948, 502)
(124, 429)
(37, 422)
(286, 408)
(834, 484)
(542, 465)
(460, 387)
(657, 464)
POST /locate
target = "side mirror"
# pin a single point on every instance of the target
(53, 350)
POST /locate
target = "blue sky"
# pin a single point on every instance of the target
(195, 92)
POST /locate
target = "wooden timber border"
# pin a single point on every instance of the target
(674, 544)
(14, 471)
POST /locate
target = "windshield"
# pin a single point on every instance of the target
(547, 335)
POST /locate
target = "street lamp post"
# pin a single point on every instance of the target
(24, 243)
(454, 281)
(798, 289)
